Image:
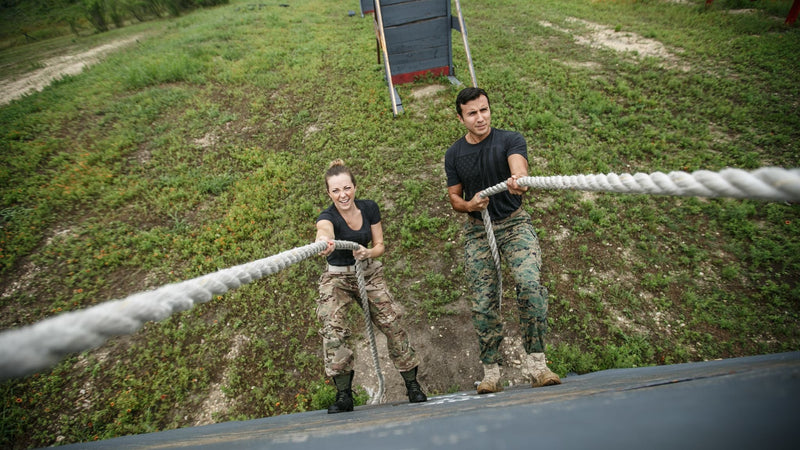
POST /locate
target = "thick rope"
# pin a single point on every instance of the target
(41, 345)
(487, 224)
(767, 183)
(362, 289)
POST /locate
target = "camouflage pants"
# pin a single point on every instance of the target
(336, 292)
(519, 249)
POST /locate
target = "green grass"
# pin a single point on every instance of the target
(202, 146)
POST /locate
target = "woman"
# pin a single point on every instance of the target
(348, 219)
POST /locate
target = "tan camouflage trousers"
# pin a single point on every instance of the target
(336, 292)
(519, 250)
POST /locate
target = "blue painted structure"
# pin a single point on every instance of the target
(367, 7)
(417, 36)
(740, 403)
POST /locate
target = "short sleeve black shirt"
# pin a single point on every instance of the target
(371, 215)
(485, 164)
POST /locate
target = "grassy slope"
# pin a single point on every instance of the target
(201, 148)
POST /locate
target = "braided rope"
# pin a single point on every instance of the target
(28, 349)
(362, 289)
(487, 224)
(41, 345)
(766, 183)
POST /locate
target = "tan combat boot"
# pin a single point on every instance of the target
(541, 375)
(491, 379)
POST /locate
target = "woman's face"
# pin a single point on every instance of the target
(342, 191)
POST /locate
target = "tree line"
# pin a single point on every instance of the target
(102, 13)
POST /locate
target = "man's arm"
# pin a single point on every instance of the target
(519, 168)
(477, 203)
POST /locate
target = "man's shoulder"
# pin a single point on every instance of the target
(512, 141)
(507, 134)
(455, 148)
(458, 143)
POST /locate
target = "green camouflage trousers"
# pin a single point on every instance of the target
(519, 249)
(336, 292)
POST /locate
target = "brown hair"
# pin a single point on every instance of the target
(337, 167)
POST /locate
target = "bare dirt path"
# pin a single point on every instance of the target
(55, 68)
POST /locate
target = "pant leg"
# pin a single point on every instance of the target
(335, 294)
(482, 283)
(519, 246)
(386, 316)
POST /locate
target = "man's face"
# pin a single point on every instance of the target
(476, 116)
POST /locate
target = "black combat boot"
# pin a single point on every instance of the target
(344, 393)
(415, 394)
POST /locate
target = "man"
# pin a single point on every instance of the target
(484, 157)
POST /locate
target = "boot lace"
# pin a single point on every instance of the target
(342, 396)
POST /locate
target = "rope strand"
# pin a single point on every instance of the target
(487, 224)
(362, 289)
(41, 345)
(38, 346)
(766, 183)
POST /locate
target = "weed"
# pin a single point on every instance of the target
(202, 146)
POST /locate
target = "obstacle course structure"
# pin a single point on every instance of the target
(414, 37)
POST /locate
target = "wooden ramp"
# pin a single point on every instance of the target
(740, 403)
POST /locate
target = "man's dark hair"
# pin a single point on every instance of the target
(469, 94)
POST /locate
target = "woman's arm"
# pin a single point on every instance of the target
(377, 244)
(325, 233)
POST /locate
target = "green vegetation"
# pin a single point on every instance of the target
(202, 145)
(27, 21)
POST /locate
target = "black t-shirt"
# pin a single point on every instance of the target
(370, 213)
(485, 164)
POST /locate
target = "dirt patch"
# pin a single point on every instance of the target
(449, 355)
(599, 36)
(427, 91)
(217, 402)
(57, 67)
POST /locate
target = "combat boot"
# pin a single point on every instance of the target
(491, 379)
(541, 375)
(413, 389)
(344, 393)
